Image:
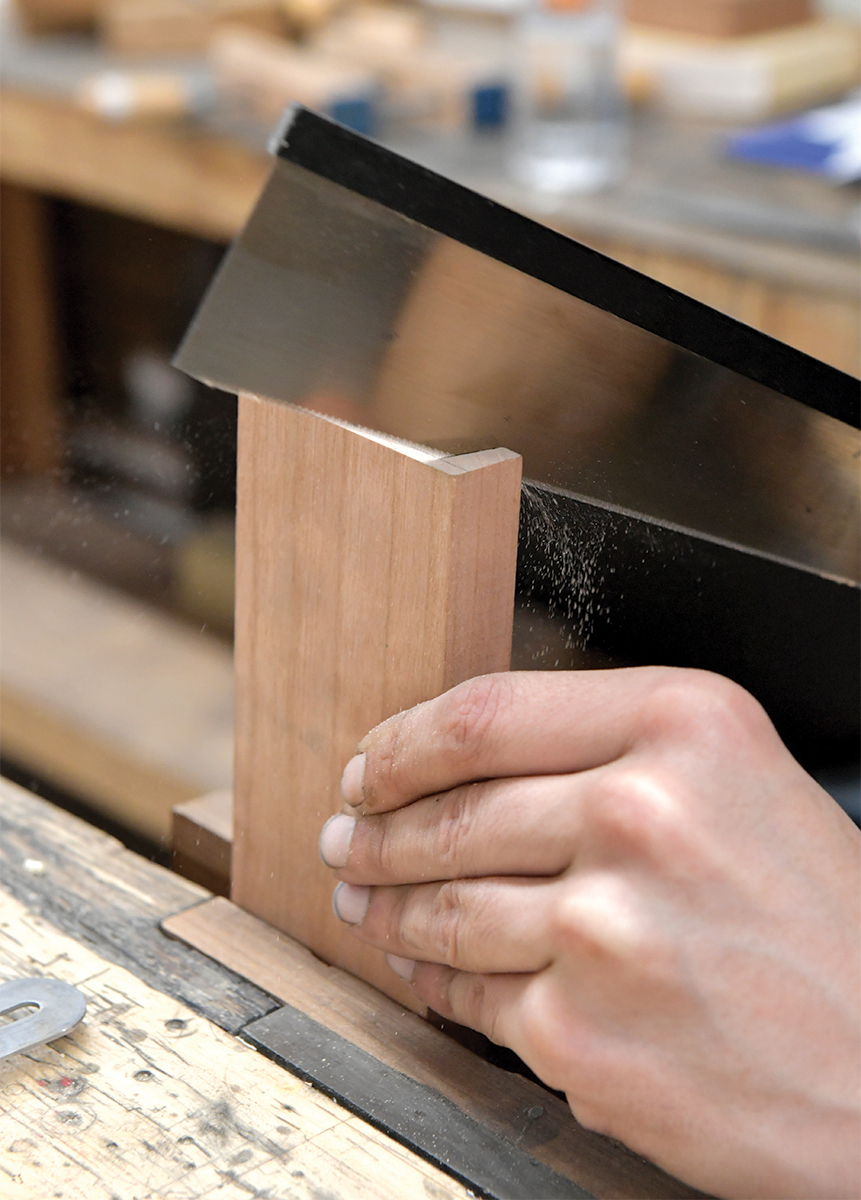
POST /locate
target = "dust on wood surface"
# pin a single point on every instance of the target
(146, 1100)
(509, 1105)
(90, 886)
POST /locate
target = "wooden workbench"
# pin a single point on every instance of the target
(158, 1092)
(153, 1095)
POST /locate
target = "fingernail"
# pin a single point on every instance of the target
(401, 966)
(350, 902)
(352, 781)
(335, 838)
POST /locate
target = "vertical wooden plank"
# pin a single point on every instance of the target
(367, 581)
(29, 341)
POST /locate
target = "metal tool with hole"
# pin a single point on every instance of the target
(59, 1008)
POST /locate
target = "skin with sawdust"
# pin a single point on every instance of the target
(625, 877)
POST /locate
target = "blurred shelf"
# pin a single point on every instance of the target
(103, 697)
(174, 176)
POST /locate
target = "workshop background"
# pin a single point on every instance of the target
(133, 141)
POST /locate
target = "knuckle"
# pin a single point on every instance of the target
(385, 757)
(453, 828)
(474, 1008)
(692, 703)
(563, 1045)
(429, 923)
(599, 918)
(391, 760)
(570, 929)
(382, 847)
(447, 918)
(470, 712)
(630, 807)
(477, 1005)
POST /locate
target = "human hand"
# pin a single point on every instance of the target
(626, 878)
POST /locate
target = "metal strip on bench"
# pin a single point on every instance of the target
(412, 1113)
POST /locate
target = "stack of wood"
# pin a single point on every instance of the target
(368, 53)
(723, 59)
(738, 59)
(168, 26)
(181, 26)
(720, 18)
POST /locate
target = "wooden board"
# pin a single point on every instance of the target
(720, 18)
(29, 338)
(147, 1099)
(51, 16)
(366, 582)
(111, 900)
(505, 1105)
(121, 705)
(196, 183)
(202, 840)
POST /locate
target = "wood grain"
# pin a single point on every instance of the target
(89, 886)
(146, 1099)
(352, 1009)
(367, 581)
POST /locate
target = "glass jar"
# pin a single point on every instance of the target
(569, 129)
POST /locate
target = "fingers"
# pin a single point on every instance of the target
(488, 1003)
(520, 723)
(493, 925)
(527, 826)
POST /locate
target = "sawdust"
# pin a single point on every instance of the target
(566, 562)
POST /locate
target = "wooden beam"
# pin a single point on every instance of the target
(202, 841)
(30, 419)
(194, 182)
(721, 18)
(367, 581)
